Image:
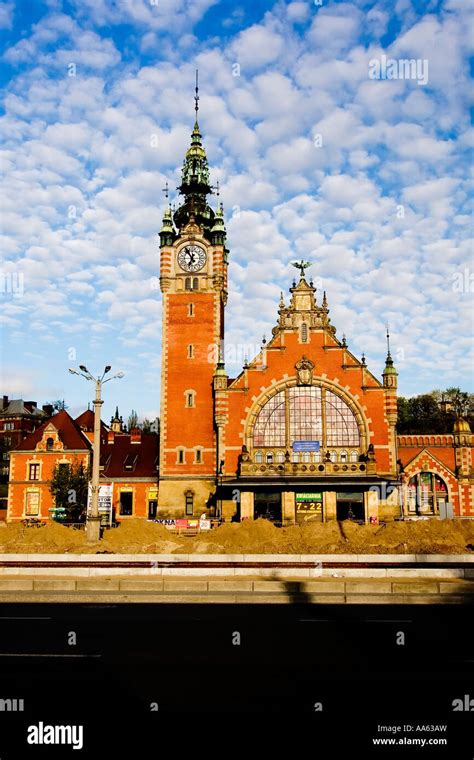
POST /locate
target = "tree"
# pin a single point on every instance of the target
(146, 425)
(69, 487)
(132, 421)
(458, 399)
(428, 413)
(59, 405)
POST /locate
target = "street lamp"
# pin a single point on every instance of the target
(93, 517)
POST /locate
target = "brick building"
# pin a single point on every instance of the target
(18, 419)
(129, 464)
(59, 440)
(306, 430)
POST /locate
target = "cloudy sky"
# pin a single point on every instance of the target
(367, 178)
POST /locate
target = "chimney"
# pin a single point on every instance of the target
(48, 409)
(5, 402)
(110, 436)
(135, 435)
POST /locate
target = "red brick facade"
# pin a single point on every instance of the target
(305, 421)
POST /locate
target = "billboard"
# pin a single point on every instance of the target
(105, 502)
(309, 507)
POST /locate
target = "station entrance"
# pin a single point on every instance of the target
(267, 504)
(350, 506)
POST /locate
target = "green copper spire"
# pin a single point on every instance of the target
(389, 368)
(218, 231)
(167, 231)
(195, 171)
(195, 184)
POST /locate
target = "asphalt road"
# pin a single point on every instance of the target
(132, 674)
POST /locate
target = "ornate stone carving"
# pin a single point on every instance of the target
(304, 371)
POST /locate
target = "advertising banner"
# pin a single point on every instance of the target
(309, 507)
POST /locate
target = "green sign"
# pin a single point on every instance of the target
(308, 496)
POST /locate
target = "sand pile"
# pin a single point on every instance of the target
(52, 538)
(138, 535)
(260, 536)
(251, 537)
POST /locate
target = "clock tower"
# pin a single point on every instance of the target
(193, 280)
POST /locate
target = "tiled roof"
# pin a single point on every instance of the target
(86, 421)
(123, 458)
(17, 406)
(69, 433)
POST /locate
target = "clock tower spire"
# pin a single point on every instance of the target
(193, 280)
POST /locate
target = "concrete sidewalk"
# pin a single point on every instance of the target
(225, 590)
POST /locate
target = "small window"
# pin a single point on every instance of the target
(189, 399)
(190, 351)
(258, 457)
(304, 333)
(317, 456)
(280, 457)
(9, 426)
(180, 456)
(188, 284)
(270, 457)
(195, 283)
(190, 310)
(306, 457)
(189, 502)
(8, 441)
(126, 502)
(354, 456)
(34, 471)
(198, 456)
(343, 456)
(333, 456)
(49, 444)
(296, 457)
(32, 503)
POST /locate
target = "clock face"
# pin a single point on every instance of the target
(191, 258)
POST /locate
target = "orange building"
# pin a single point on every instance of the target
(306, 431)
(129, 464)
(57, 441)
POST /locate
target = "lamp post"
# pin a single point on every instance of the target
(93, 517)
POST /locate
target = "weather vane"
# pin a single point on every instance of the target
(196, 97)
(302, 265)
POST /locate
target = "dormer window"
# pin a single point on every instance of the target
(130, 462)
(49, 444)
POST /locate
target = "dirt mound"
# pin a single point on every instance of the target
(250, 537)
(138, 535)
(410, 537)
(51, 538)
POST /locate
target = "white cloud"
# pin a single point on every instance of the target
(6, 15)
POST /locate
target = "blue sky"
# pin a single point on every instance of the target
(367, 178)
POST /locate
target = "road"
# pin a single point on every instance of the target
(127, 673)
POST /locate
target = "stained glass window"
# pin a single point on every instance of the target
(270, 426)
(303, 406)
(341, 425)
(306, 422)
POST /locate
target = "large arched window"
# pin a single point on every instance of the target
(425, 492)
(306, 413)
